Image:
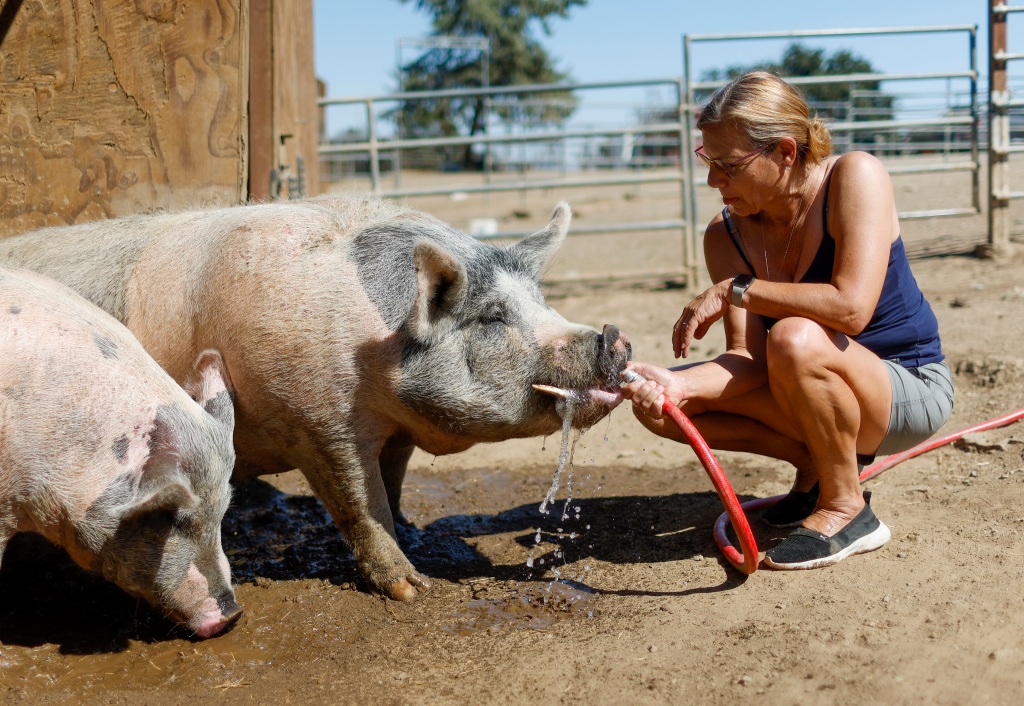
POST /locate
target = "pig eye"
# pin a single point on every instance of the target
(494, 317)
(183, 521)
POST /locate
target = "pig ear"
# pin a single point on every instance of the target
(441, 285)
(536, 250)
(210, 385)
(167, 498)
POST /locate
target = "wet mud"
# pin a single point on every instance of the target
(294, 574)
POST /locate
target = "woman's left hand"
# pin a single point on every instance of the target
(698, 315)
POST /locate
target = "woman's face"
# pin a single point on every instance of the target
(743, 175)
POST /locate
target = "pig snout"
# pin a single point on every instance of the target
(218, 615)
(614, 351)
(229, 610)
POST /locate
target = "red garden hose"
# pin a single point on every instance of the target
(747, 561)
(749, 556)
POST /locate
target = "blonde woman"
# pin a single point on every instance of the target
(832, 352)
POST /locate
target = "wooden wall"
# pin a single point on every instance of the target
(110, 107)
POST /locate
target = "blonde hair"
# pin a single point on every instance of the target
(765, 108)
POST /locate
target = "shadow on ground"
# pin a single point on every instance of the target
(271, 535)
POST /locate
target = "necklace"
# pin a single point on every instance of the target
(789, 239)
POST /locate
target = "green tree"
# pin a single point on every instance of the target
(830, 99)
(516, 57)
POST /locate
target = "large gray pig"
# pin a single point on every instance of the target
(353, 331)
(105, 455)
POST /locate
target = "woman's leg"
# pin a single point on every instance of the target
(838, 395)
(750, 423)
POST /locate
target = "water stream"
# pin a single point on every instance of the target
(566, 408)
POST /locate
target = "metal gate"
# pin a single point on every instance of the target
(680, 126)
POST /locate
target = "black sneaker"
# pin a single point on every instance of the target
(792, 509)
(807, 549)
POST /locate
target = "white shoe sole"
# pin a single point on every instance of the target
(868, 543)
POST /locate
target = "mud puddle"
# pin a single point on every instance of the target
(533, 607)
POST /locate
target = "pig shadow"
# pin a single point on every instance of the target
(269, 534)
(45, 598)
(273, 535)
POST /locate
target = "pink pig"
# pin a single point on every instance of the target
(106, 456)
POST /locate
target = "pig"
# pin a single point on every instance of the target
(354, 330)
(106, 456)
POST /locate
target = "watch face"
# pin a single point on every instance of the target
(742, 280)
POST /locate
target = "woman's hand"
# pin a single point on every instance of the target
(698, 315)
(649, 396)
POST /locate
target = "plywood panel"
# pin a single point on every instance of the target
(110, 107)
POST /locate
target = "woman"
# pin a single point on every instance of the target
(832, 353)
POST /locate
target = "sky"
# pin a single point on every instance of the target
(606, 40)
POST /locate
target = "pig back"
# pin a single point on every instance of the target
(78, 396)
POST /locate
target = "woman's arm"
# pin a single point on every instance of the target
(862, 221)
(739, 369)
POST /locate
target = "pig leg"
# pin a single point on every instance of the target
(394, 459)
(355, 495)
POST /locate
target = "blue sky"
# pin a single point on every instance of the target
(355, 40)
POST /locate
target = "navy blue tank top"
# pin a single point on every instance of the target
(903, 328)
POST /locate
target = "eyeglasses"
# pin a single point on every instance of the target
(728, 167)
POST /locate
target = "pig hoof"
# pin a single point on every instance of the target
(405, 589)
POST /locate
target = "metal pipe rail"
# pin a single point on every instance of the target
(497, 91)
(853, 78)
(482, 139)
(536, 185)
(792, 34)
(671, 224)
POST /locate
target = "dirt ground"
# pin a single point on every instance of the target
(619, 595)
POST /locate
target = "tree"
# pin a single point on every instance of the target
(831, 100)
(516, 57)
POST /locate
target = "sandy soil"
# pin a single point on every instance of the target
(627, 599)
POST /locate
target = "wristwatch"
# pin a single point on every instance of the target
(740, 284)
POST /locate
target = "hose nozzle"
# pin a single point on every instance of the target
(630, 375)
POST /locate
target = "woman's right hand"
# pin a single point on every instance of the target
(649, 396)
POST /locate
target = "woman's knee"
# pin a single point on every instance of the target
(796, 343)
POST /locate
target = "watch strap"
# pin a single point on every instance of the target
(740, 284)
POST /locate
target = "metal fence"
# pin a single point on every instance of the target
(659, 128)
(952, 134)
(1001, 145)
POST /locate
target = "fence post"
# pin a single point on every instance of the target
(998, 137)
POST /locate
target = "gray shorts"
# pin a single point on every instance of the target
(922, 400)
